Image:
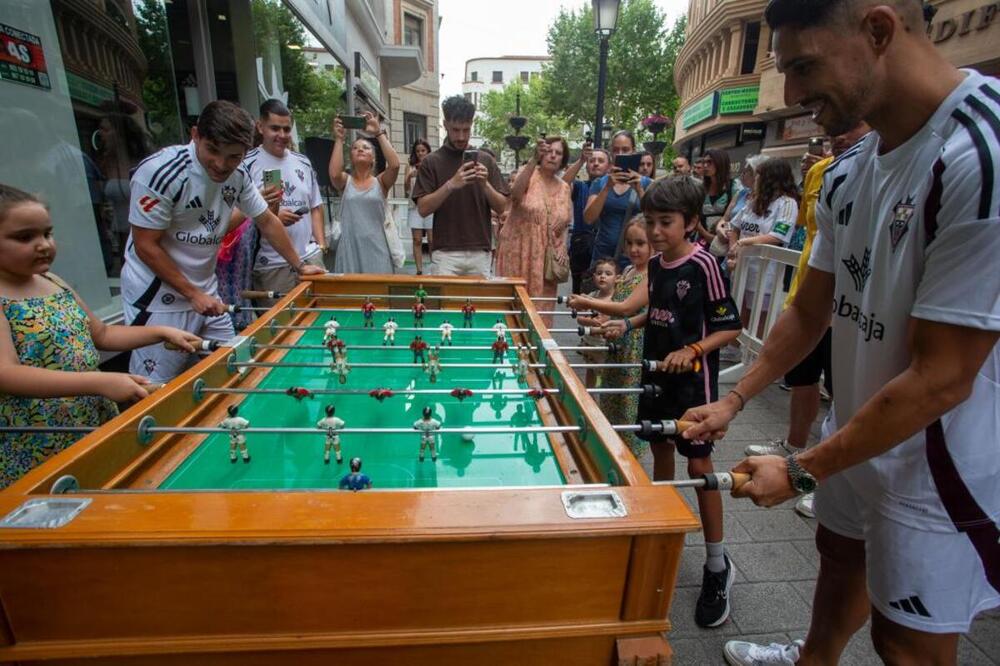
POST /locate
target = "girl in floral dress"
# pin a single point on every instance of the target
(622, 408)
(49, 342)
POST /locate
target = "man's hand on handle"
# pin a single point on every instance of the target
(769, 483)
(711, 420)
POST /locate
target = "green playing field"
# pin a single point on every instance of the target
(296, 461)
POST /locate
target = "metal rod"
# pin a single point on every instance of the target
(411, 391)
(390, 310)
(444, 366)
(714, 481)
(443, 347)
(457, 329)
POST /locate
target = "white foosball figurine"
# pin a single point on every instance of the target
(427, 426)
(330, 330)
(340, 366)
(433, 366)
(446, 328)
(331, 424)
(236, 424)
(523, 364)
(500, 329)
(389, 328)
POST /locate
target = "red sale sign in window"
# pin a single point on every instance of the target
(22, 59)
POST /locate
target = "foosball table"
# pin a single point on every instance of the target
(500, 518)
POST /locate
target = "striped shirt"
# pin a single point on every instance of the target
(915, 233)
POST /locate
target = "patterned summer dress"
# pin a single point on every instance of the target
(622, 408)
(48, 332)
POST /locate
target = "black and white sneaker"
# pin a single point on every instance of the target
(712, 608)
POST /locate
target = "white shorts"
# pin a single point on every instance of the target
(161, 364)
(936, 582)
(462, 262)
(414, 221)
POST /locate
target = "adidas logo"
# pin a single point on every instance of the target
(913, 606)
(194, 203)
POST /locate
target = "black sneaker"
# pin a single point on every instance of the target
(713, 602)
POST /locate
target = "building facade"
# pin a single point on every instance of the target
(90, 87)
(732, 96)
(483, 75)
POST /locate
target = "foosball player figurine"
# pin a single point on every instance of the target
(499, 348)
(420, 294)
(523, 364)
(236, 424)
(500, 329)
(446, 329)
(427, 425)
(418, 313)
(433, 366)
(355, 480)
(340, 366)
(368, 310)
(330, 330)
(331, 424)
(468, 310)
(390, 332)
(334, 344)
(418, 347)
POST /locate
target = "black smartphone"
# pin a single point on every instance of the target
(816, 146)
(470, 156)
(354, 122)
(628, 162)
(302, 211)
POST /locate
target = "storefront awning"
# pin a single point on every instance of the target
(401, 64)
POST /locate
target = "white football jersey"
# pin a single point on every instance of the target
(300, 190)
(915, 233)
(171, 192)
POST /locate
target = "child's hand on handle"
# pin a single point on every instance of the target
(712, 420)
(182, 340)
(769, 483)
(123, 387)
(682, 360)
(613, 329)
(578, 302)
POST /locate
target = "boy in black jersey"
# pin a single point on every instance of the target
(690, 317)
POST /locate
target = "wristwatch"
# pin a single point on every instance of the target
(802, 481)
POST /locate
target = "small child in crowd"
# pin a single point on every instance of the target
(49, 342)
(690, 316)
(604, 274)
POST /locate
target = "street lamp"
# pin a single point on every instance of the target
(605, 22)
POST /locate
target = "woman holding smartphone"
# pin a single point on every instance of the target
(363, 247)
(418, 225)
(615, 197)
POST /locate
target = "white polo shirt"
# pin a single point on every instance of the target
(173, 193)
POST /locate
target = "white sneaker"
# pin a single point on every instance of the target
(776, 447)
(804, 506)
(742, 653)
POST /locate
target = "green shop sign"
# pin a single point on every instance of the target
(87, 91)
(738, 100)
(701, 110)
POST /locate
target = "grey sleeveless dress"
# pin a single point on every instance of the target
(362, 247)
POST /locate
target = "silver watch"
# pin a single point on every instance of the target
(802, 481)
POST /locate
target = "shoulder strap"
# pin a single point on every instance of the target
(56, 280)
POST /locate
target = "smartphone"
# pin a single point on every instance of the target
(354, 122)
(470, 156)
(816, 146)
(628, 162)
(272, 177)
(302, 211)
(588, 137)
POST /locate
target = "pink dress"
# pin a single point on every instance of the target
(538, 222)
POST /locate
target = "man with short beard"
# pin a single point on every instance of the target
(906, 473)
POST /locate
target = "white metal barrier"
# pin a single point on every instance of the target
(764, 312)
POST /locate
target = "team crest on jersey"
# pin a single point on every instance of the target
(860, 270)
(228, 194)
(149, 365)
(167, 299)
(301, 174)
(900, 224)
(683, 287)
(209, 220)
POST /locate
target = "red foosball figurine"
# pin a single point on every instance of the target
(499, 348)
(381, 394)
(461, 393)
(298, 392)
(368, 310)
(537, 393)
(467, 311)
(418, 313)
(418, 346)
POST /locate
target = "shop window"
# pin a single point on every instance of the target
(751, 40)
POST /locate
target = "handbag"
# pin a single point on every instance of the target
(392, 238)
(556, 263)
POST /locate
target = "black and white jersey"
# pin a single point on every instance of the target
(915, 233)
(301, 189)
(173, 193)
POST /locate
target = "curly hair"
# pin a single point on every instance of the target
(774, 179)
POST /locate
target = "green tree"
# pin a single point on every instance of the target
(498, 106)
(158, 92)
(640, 66)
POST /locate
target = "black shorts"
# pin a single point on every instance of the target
(677, 398)
(817, 363)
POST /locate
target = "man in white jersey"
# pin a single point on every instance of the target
(182, 199)
(300, 190)
(905, 258)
